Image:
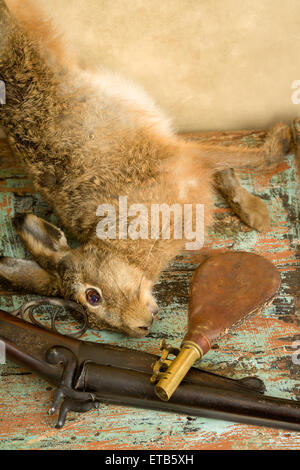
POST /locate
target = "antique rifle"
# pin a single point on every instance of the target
(87, 373)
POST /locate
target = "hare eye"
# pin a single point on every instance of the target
(93, 297)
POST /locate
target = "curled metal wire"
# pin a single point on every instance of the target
(29, 307)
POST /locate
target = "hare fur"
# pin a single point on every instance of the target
(86, 138)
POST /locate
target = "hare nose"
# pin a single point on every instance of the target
(153, 310)
(144, 328)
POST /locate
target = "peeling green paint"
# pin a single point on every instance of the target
(260, 347)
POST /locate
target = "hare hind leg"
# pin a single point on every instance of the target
(276, 145)
(251, 209)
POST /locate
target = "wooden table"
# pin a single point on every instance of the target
(263, 346)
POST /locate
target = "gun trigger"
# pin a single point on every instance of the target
(66, 398)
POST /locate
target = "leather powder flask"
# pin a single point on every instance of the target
(225, 290)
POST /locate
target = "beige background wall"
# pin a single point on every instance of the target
(210, 64)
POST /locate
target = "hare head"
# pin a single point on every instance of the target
(114, 293)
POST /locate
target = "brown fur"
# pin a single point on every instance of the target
(82, 148)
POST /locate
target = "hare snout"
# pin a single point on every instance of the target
(139, 325)
(153, 309)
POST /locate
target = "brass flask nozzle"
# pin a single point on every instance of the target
(172, 377)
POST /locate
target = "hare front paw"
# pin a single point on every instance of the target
(252, 210)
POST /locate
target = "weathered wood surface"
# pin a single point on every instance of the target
(262, 346)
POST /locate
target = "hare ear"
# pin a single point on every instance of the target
(28, 276)
(44, 241)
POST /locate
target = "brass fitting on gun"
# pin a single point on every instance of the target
(169, 373)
